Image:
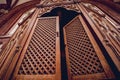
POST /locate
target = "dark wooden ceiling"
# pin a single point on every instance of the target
(9, 4)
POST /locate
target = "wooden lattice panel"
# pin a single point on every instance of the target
(82, 53)
(40, 60)
(107, 30)
(83, 58)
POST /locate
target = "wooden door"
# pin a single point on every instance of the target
(40, 57)
(83, 56)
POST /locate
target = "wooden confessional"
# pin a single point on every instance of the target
(33, 51)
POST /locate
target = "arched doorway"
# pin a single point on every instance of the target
(65, 16)
(40, 57)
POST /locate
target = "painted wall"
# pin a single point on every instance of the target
(19, 2)
(116, 0)
(2, 1)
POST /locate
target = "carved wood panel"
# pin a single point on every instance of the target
(9, 45)
(84, 58)
(41, 60)
(107, 30)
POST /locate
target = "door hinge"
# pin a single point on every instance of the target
(57, 34)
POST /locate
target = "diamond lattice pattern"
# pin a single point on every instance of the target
(40, 57)
(82, 56)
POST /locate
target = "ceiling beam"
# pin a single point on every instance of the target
(8, 4)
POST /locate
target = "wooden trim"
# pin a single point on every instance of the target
(107, 74)
(9, 19)
(21, 43)
(112, 5)
(10, 43)
(14, 4)
(114, 15)
(110, 52)
(102, 59)
(90, 76)
(67, 53)
(35, 77)
(57, 75)
(67, 59)
(25, 41)
(12, 38)
(58, 56)
(26, 18)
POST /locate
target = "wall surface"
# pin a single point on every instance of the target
(2, 1)
(116, 0)
(19, 2)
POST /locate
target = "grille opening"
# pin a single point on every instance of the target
(65, 16)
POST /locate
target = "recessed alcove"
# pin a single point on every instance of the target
(65, 16)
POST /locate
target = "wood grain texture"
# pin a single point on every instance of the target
(41, 58)
(107, 31)
(83, 55)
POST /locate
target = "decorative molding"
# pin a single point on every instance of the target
(1, 45)
(107, 30)
(112, 5)
(107, 10)
(73, 7)
(8, 20)
(84, 58)
(50, 3)
(12, 46)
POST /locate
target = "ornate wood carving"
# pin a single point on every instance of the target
(107, 30)
(84, 58)
(107, 10)
(9, 50)
(73, 7)
(8, 20)
(111, 4)
(47, 6)
(37, 53)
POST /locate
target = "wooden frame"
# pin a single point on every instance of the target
(94, 26)
(9, 19)
(57, 75)
(107, 74)
(15, 52)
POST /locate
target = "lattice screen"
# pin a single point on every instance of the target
(40, 57)
(82, 58)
